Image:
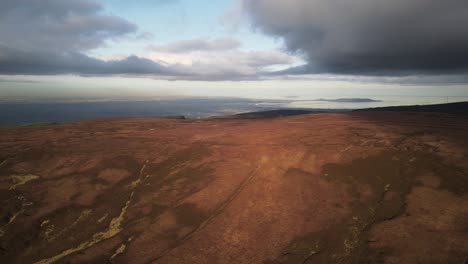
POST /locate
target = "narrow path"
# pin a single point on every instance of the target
(215, 213)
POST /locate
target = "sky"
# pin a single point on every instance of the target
(129, 50)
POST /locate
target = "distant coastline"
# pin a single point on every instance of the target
(349, 100)
(27, 114)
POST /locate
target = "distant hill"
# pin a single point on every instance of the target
(283, 113)
(274, 113)
(454, 108)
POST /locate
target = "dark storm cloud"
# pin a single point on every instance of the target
(371, 37)
(52, 37)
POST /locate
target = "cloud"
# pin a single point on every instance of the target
(369, 37)
(234, 18)
(16, 62)
(219, 59)
(238, 65)
(57, 25)
(53, 36)
(187, 46)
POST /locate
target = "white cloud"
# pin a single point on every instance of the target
(193, 45)
(218, 59)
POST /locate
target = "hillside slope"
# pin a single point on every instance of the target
(319, 188)
(453, 108)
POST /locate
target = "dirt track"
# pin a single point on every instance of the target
(317, 188)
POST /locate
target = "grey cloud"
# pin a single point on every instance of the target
(57, 25)
(263, 59)
(233, 65)
(52, 37)
(186, 46)
(30, 63)
(369, 37)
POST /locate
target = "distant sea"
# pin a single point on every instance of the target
(17, 113)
